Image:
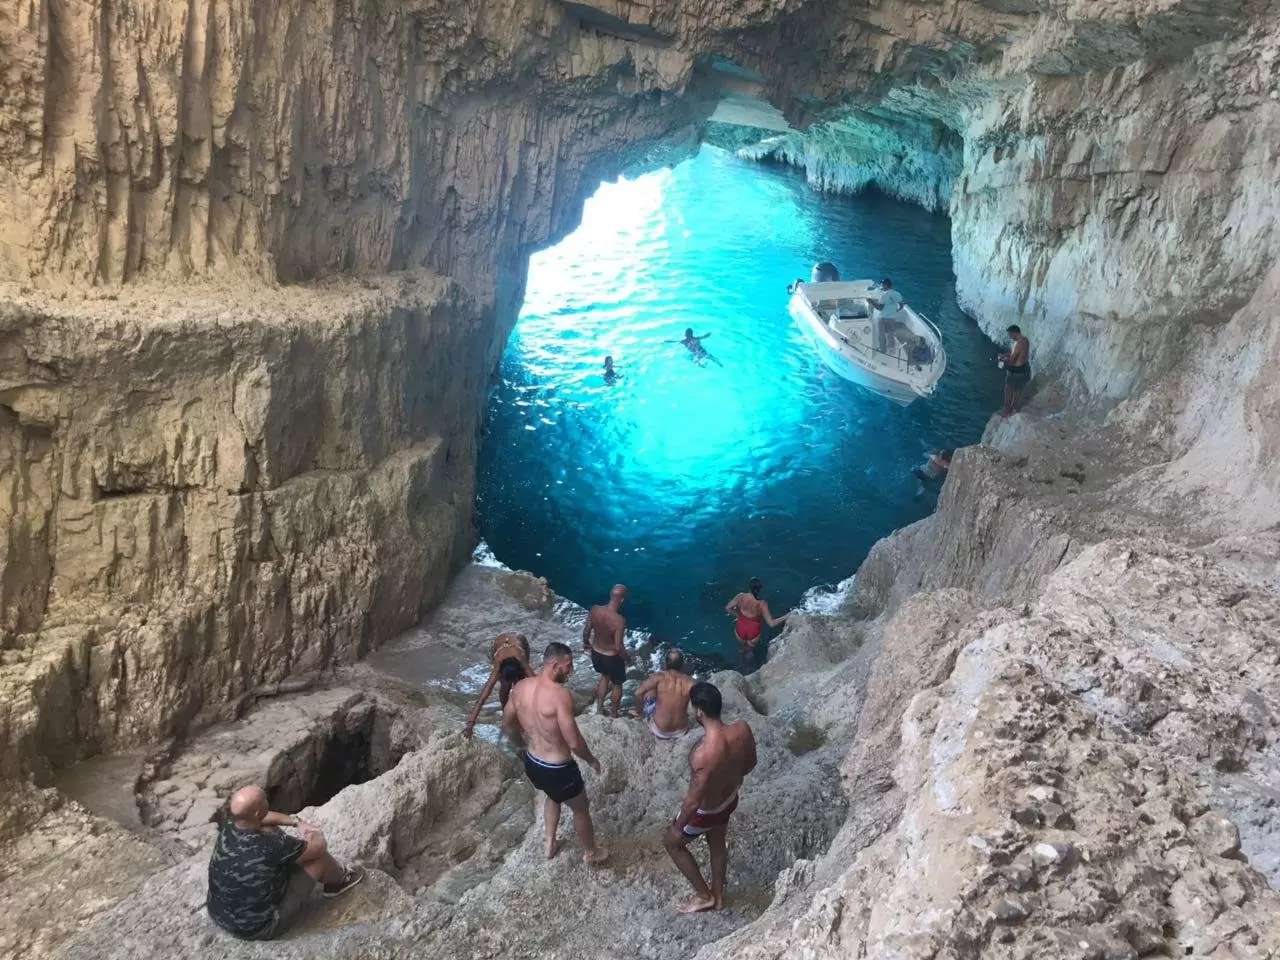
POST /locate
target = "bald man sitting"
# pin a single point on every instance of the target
(259, 876)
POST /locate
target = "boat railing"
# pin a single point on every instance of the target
(932, 326)
(902, 362)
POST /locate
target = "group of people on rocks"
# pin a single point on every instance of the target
(538, 717)
(260, 877)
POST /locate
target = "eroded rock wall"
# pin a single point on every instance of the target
(222, 495)
(211, 486)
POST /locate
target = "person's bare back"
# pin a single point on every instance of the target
(724, 758)
(664, 698)
(540, 718)
(718, 765)
(608, 627)
(539, 706)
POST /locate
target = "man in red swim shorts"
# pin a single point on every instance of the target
(719, 764)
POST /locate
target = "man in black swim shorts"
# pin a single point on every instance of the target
(608, 651)
(1017, 371)
(539, 717)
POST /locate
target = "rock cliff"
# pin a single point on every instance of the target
(256, 264)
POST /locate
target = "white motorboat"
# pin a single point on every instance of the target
(900, 358)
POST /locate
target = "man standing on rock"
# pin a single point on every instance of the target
(539, 719)
(608, 650)
(719, 764)
(664, 699)
(259, 877)
(1017, 371)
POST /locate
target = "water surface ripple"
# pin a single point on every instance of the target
(682, 480)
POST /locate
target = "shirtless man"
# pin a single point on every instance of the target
(609, 655)
(1017, 371)
(510, 658)
(539, 720)
(726, 754)
(664, 699)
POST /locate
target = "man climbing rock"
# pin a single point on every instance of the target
(261, 877)
(509, 657)
(608, 650)
(663, 699)
(539, 720)
(718, 765)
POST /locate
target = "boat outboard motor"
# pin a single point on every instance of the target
(825, 272)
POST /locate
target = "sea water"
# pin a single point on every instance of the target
(683, 479)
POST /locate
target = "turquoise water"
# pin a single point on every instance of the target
(684, 480)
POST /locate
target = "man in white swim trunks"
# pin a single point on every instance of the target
(664, 698)
(720, 762)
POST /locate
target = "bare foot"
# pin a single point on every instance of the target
(719, 897)
(697, 905)
(595, 857)
(553, 847)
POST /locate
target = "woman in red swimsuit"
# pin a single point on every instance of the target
(752, 614)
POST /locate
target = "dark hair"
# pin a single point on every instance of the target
(511, 670)
(755, 586)
(608, 358)
(675, 659)
(948, 453)
(556, 651)
(706, 698)
(688, 331)
(886, 282)
(1014, 328)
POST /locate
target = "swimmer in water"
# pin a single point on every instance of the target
(610, 374)
(694, 345)
(751, 614)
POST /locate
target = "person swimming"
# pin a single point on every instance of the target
(751, 614)
(694, 345)
(610, 372)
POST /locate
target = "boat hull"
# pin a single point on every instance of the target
(828, 350)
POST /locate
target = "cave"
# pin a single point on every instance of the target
(260, 264)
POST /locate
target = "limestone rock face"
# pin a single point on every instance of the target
(201, 499)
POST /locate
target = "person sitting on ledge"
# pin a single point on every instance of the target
(664, 699)
(260, 877)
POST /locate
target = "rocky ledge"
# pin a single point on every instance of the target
(1073, 760)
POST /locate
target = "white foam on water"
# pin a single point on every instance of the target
(482, 556)
(826, 600)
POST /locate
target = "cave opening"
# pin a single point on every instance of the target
(683, 476)
(334, 757)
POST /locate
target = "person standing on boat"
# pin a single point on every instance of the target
(751, 614)
(888, 304)
(1017, 371)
